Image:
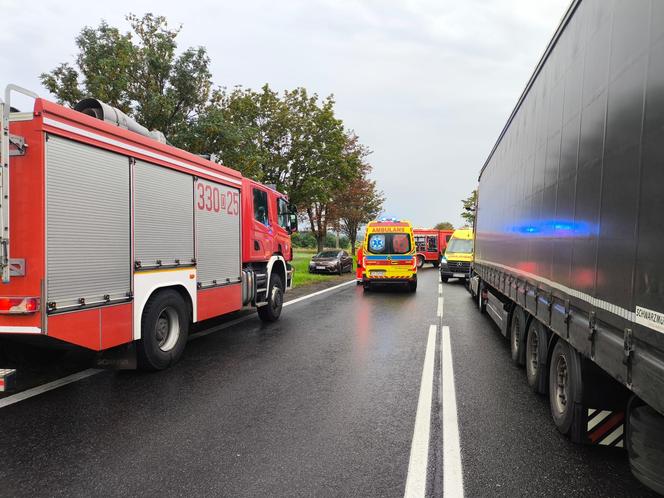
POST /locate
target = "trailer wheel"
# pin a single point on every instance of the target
(517, 336)
(271, 311)
(645, 445)
(164, 331)
(420, 261)
(536, 353)
(565, 386)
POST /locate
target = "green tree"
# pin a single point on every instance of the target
(138, 72)
(469, 206)
(444, 225)
(359, 201)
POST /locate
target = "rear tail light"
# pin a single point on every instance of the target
(18, 305)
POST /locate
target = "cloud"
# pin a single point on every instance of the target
(427, 84)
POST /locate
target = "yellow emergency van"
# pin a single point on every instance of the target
(455, 263)
(389, 254)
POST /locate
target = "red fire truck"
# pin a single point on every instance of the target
(111, 237)
(430, 245)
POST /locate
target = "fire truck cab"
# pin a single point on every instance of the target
(111, 237)
(430, 245)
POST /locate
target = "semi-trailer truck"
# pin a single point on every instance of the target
(569, 229)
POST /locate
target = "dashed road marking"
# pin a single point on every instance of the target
(84, 374)
(452, 469)
(416, 482)
(439, 313)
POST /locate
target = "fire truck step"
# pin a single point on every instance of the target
(7, 379)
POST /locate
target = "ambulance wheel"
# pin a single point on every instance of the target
(536, 352)
(271, 311)
(420, 261)
(412, 286)
(518, 336)
(164, 331)
(565, 386)
(444, 279)
(645, 445)
(366, 286)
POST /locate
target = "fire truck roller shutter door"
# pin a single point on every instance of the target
(163, 216)
(88, 240)
(217, 233)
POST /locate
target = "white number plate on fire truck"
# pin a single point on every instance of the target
(458, 275)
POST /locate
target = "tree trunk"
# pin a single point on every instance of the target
(353, 239)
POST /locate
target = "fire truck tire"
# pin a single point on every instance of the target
(645, 445)
(536, 354)
(517, 336)
(420, 261)
(272, 310)
(164, 330)
(565, 387)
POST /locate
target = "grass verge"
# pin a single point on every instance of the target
(301, 258)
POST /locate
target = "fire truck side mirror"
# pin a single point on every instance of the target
(293, 222)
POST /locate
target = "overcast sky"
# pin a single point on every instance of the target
(426, 84)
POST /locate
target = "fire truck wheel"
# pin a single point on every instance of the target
(420, 261)
(517, 337)
(536, 352)
(645, 443)
(565, 385)
(164, 330)
(272, 310)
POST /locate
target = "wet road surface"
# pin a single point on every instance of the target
(321, 403)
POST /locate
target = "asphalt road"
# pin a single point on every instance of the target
(321, 403)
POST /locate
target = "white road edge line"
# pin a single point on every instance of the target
(452, 470)
(84, 374)
(416, 482)
(35, 391)
(314, 294)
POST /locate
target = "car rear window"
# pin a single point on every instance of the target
(389, 243)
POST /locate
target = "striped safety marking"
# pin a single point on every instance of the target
(606, 428)
(381, 277)
(6, 378)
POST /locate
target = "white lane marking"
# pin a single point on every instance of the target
(416, 482)
(452, 470)
(314, 294)
(440, 289)
(35, 391)
(440, 307)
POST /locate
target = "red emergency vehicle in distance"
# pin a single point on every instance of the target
(112, 237)
(430, 245)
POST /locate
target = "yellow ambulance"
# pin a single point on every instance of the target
(389, 254)
(455, 263)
